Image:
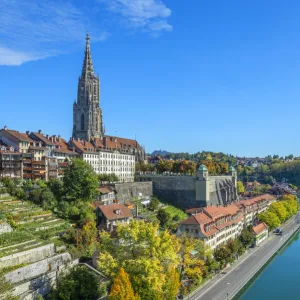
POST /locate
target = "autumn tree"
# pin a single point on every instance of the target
(279, 209)
(270, 218)
(145, 253)
(240, 187)
(122, 288)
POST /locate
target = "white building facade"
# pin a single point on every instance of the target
(108, 162)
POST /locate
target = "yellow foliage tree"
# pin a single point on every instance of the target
(122, 288)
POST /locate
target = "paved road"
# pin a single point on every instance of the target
(225, 286)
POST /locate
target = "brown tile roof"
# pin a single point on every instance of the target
(210, 214)
(118, 142)
(84, 146)
(41, 137)
(98, 143)
(18, 135)
(105, 189)
(260, 228)
(109, 211)
(194, 210)
(37, 148)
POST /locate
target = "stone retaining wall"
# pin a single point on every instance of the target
(5, 227)
(28, 256)
(128, 190)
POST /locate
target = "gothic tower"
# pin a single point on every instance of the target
(87, 114)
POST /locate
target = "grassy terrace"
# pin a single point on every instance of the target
(33, 227)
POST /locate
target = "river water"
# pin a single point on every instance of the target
(281, 278)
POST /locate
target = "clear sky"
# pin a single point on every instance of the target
(183, 76)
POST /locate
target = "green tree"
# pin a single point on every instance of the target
(47, 198)
(122, 288)
(163, 216)
(222, 255)
(270, 218)
(154, 204)
(246, 237)
(79, 284)
(80, 180)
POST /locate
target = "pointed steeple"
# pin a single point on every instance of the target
(87, 68)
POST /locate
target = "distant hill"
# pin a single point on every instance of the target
(160, 152)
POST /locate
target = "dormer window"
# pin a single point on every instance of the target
(3, 148)
(12, 149)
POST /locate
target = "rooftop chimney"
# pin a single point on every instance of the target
(40, 131)
(5, 128)
(27, 132)
(58, 138)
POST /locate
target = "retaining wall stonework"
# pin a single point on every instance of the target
(128, 190)
(4, 227)
(38, 268)
(179, 190)
(28, 256)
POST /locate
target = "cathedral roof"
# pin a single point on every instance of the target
(87, 68)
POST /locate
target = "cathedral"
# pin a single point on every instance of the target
(87, 114)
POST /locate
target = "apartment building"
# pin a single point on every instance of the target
(106, 161)
(254, 206)
(10, 161)
(214, 225)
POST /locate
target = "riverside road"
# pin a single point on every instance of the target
(225, 286)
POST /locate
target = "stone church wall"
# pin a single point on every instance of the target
(178, 190)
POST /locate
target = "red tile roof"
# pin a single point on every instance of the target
(118, 142)
(43, 138)
(105, 189)
(18, 135)
(210, 214)
(109, 211)
(260, 228)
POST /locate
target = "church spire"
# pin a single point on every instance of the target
(87, 68)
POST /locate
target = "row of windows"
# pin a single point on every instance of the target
(107, 155)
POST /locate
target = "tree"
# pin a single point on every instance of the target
(146, 254)
(240, 187)
(279, 209)
(47, 198)
(270, 218)
(122, 288)
(163, 216)
(80, 180)
(79, 284)
(222, 255)
(172, 284)
(56, 187)
(247, 237)
(154, 204)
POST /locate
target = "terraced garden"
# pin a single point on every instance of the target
(32, 226)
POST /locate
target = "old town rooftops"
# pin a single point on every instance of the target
(21, 137)
(255, 200)
(260, 228)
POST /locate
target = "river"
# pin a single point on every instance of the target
(281, 277)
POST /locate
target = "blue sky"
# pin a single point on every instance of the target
(179, 75)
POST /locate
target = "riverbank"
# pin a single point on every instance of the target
(227, 286)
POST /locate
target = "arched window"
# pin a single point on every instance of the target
(82, 121)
